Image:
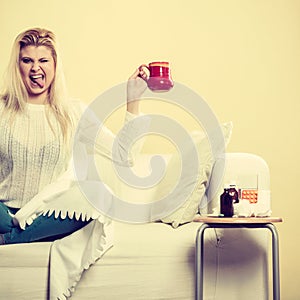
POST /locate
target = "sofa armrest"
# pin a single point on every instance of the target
(247, 170)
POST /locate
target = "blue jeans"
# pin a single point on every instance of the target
(43, 228)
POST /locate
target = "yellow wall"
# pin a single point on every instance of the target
(242, 56)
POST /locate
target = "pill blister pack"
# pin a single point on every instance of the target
(248, 194)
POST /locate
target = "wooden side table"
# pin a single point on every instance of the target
(253, 222)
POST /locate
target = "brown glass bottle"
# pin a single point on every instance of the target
(226, 203)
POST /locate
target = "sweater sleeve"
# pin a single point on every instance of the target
(118, 148)
(32, 209)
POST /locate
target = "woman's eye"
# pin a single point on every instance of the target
(26, 60)
(44, 60)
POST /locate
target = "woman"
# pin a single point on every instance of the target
(37, 127)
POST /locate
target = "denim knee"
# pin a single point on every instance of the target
(6, 220)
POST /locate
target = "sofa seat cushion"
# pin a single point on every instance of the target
(25, 255)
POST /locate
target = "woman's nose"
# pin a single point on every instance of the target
(35, 66)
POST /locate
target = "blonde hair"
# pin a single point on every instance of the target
(15, 94)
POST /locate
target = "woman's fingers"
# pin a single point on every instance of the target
(139, 73)
(135, 74)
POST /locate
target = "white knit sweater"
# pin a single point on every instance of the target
(31, 155)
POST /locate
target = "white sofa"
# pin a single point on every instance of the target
(156, 261)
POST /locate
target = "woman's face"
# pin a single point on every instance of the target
(37, 69)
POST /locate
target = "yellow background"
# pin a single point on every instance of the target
(242, 56)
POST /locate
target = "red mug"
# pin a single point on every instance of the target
(159, 79)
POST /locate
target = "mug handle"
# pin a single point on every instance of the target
(141, 67)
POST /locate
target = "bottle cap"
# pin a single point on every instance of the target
(232, 183)
(226, 186)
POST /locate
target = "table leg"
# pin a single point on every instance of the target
(199, 255)
(275, 261)
(199, 261)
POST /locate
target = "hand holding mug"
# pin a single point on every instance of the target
(159, 79)
(136, 86)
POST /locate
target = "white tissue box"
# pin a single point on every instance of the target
(253, 203)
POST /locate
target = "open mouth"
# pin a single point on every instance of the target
(38, 80)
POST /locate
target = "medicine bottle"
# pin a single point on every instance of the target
(226, 203)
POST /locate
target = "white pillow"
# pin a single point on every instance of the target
(206, 158)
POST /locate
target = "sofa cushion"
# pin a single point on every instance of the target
(29, 255)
